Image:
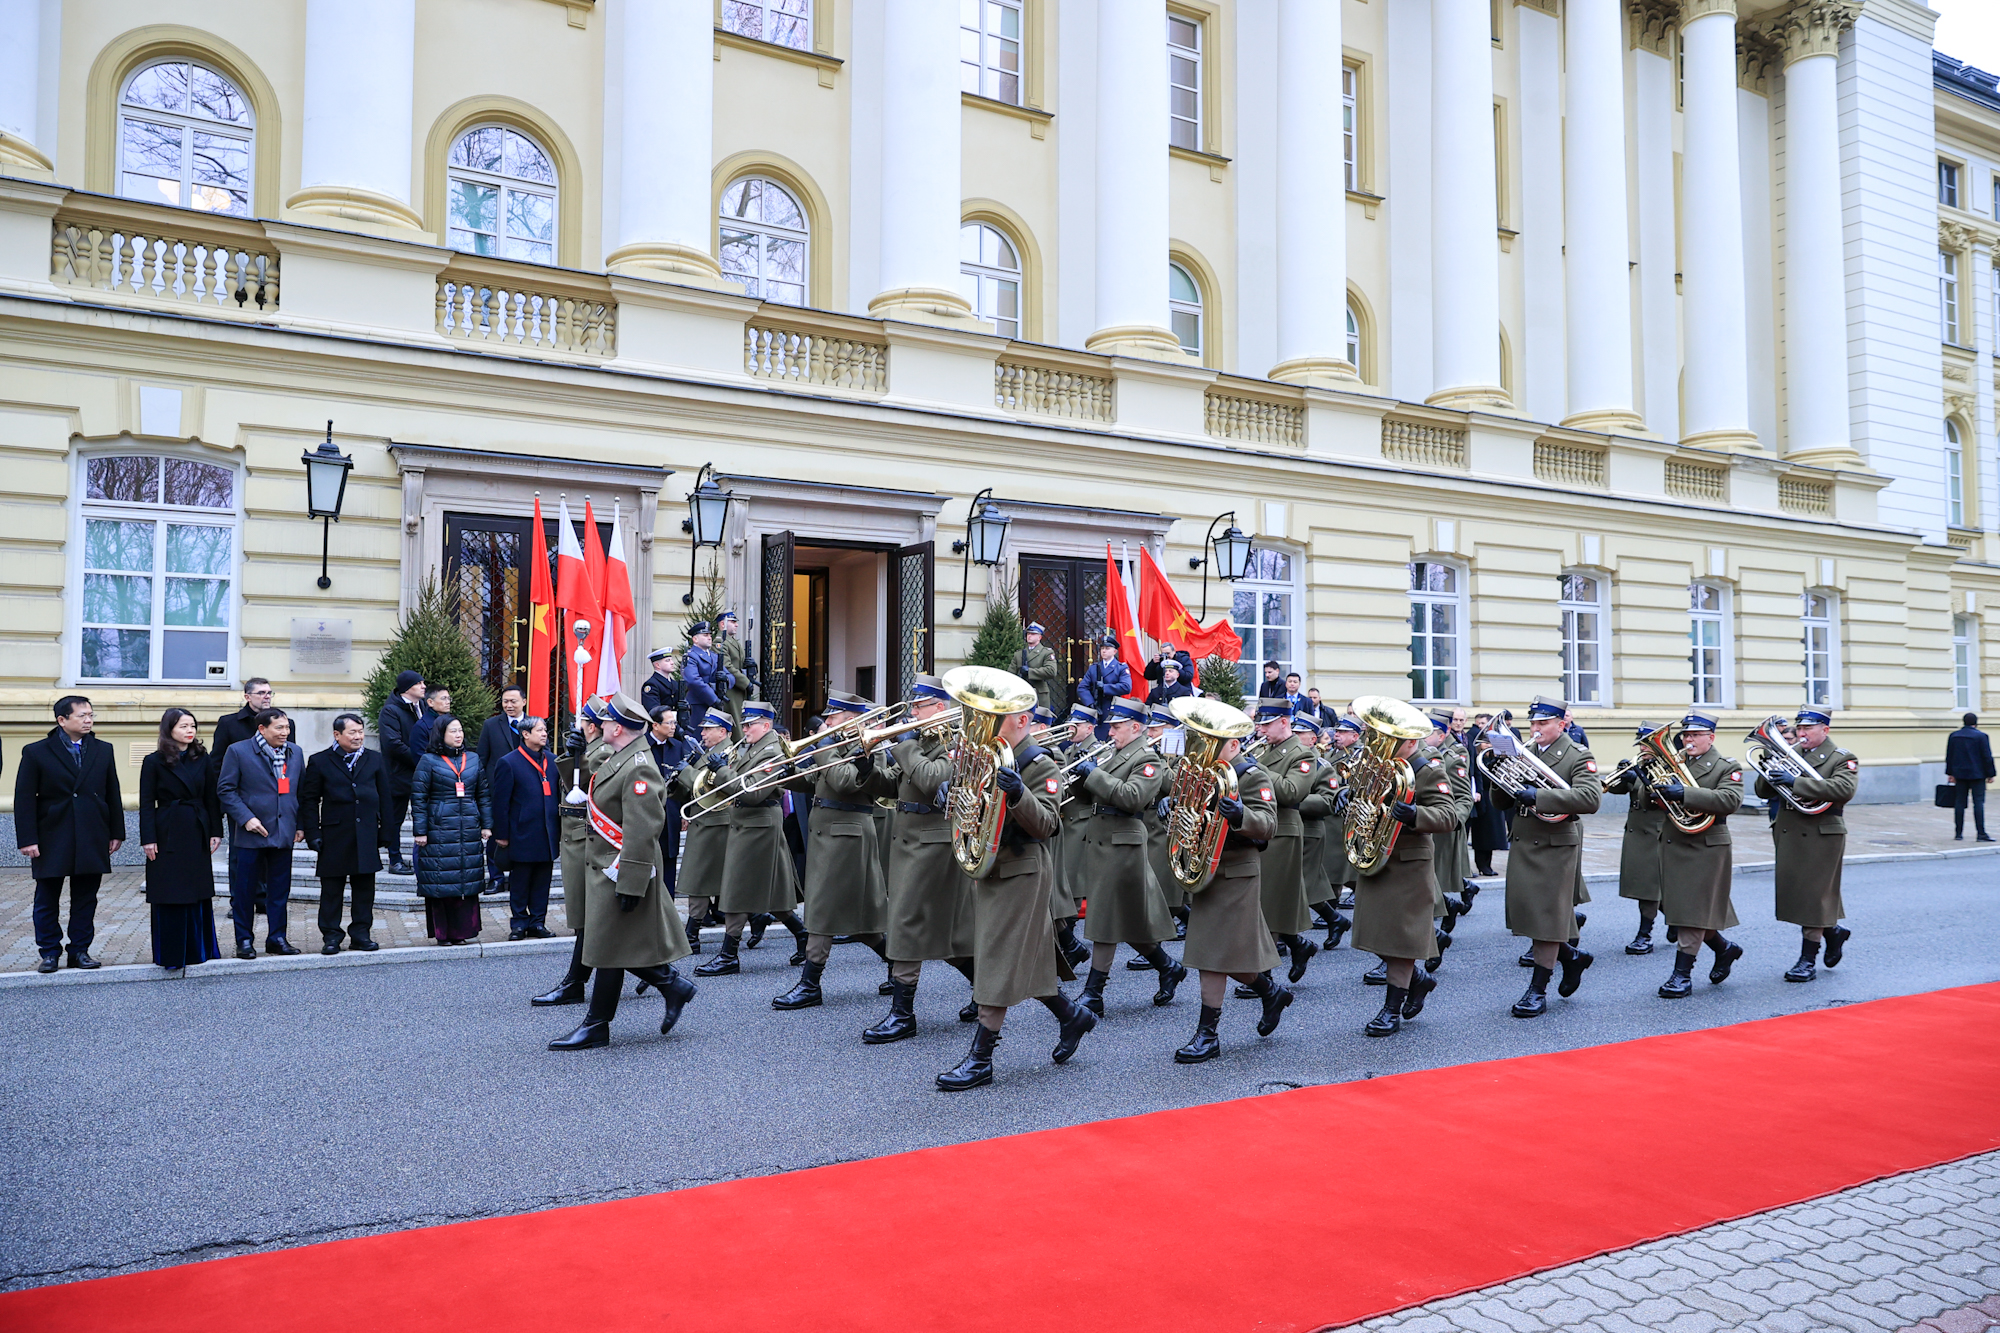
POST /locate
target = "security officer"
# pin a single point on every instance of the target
(1107, 679)
(702, 674)
(1014, 948)
(1293, 769)
(707, 835)
(630, 925)
(1076, 809)
(1811, 847)
(664, 689)
(1036, 664)
(1639, 855)
(1695, 867)
(1393, 906)
(739, 670)
(1544, 865)
(1127, 904)
(758, 874)
(930, 898)
(846, 893)
(582, 749)
(1226, 932)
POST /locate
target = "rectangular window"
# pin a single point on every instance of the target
(1948, 294)
(1948, 184)
(1816, 620)
(1583, 639)
(1184, 81)
(158, 547)
(1437, 612)
(1708, 644)
(1350, 135)
(1964, 691)
(1995, 303)
(989, 49)
(1261, 612)
(781, 22)
(1954, 476)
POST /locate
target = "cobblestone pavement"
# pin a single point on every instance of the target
(1917, 1252)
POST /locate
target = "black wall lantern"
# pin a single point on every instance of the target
(708, 514)
(326, 491)
(1232, 556)
(985, 538)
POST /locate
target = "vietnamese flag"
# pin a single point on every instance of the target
(541, 622)
(1118, 615)
(1164, 616)
(616, 603)
(576, 594)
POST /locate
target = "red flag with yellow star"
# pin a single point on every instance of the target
(1118, 618)
(541, 622)
(1166, 618)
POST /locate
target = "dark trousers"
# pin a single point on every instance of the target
(670, 846)
(528, 893)
(362, 923)
(82, 914)
(399, 810)
(495, 876)
(1975, 789)
(255, 870)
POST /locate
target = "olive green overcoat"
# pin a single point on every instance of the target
(1076, 811)
(1639, 854)
(575, 831)
(1810, 848)
(1014, 950)
(1226, 927)
(1451, 857)
(1545, 860)
(1127, 904)
(1695, 867)
(846, 891)
(627, 790)
(704, 841)
(1392, 907)
(758, 874)
(1037, 666)
(1315, 813)
(931, 911)
(1291, 767)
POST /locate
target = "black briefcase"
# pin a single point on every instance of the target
(1946, 797)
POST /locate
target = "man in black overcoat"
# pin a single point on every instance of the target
(241, 725)
(69, 817)
(344, 808)
(396, 727)
(500, 737)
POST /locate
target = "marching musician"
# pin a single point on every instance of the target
(629, 925)
(1810, 848)
(1014, 947)
(845, 891)
(1321, 896)
(1695, 867)
(930, 898)
(1345, 735)
(1293, 770)
(758, 874)
(1077, 807)
(1036, 664)
(707, 834)
(1545, 863)
(1639, 854)
(1160, 721)
(1451, 856)
(582, 749)
(1227, 937)
(1127, 904)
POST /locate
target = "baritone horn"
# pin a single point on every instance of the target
(1378, 779)
(977, 806)
(1660, 763)
(1195, 826)
(1771, 753)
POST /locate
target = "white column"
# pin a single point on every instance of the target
(1132, 182)
(360, 100)
(921, 191)
(1715, 320)
(1816, 404)
(25, 144)
(1465, 216)
(667, 133)
(1596, 237)
(1312, 200)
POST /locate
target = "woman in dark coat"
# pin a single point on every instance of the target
(451, 815)
(180, 826)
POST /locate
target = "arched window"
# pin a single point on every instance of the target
(184, 138)
(1184, 308)
(764, 240)
(1353, 338)
(989, 273)
(501, 196)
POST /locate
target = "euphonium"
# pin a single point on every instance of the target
(977, 806)
(1770, 752)
(1378, 779)
(1512, 768)
(1660, 763)
(1195, 826)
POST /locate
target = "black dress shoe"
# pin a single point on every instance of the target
(362, 944)
(587, 1035)
(1377, 975)
(1984, 838)
(1725, 960)
(245, 951)
(1836, 942)
(1642, 943)
(513, 935)
(565, 992)
(675, 989)
(82, 960)
(540, 933)
(50, 962)
(278, 944)
(330, 948)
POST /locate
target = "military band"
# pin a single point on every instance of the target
(1701, 792)
(1814, 783)
(1127, 904)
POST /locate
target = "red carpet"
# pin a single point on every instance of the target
(1258, 1214)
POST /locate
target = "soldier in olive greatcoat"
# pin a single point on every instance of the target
(1695, 867)
(1127, 904)
(1452, 856)
(1812, 847)
(1346, 734)
(1544, 865)
(582, 749)
(1159, 721)
(1392, 906)
(1076, 810)
(1293, 769)
(629, 923)
(758, 873)
(1314, 812)
(739, 669)
(1639, 854)
(704, 838)
(1036, 663)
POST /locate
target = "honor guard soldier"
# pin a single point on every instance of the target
(629, 925)
(1036, 663)
(1639, 854)
(1695, 867)
(1293, 770)
(1127, 904)
(1544, 865)
(1314, 811)
(664, 688)
(1062, 908)
(582, 749)
(1076, 809)
(739, 671)
(758, 874)
(846, 893)
(1811, 846)
(1159, 722)
(1108, 679)
(1339, 870)
(1451, 855)
(701, 672)
(706, 836)
(1014, 949)
(930, 899)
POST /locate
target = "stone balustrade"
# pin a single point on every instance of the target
(503, 306)
(806, 356)
(1051, 391)
(215, 265)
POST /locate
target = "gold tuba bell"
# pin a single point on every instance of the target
(1660, 763)
(1378, 779)
(978, 807)
(1195, 827)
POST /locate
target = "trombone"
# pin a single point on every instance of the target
(818, 741)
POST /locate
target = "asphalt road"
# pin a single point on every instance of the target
(162, 1124)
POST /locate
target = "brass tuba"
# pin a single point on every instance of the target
(1195, 827)
(1770, 752)
(1378, 779)
(1660, 762)
(977, 806)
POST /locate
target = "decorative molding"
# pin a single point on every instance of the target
(1956, 236)
(1813, 27)
(1696, 9)
(1545, 6)
(1963, 406)
(1758, 55)
(1649, 24)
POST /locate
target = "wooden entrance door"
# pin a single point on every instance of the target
(1065, 597)
(486, 581)
(777, 633)
(912, 617)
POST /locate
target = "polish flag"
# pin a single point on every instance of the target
(616, 602)
(576, 593)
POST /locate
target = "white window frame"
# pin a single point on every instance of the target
(1948, 296)
(81, 509)
(733, 9)
(1179, 127)
(1424, 691)
(1572, 639)
(1965, 663)
(1353, 338)
(982, 282)
(1196, 309)
(766, 232)
(1350, 126)
(189, 125)
(1947, 183)
(1954, 475)
(1725, 689)
(982, 47)
(1292, 658)
(507, 186)
(1826, 627)
(1994, 303)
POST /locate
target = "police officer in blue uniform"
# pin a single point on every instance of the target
(702, 674)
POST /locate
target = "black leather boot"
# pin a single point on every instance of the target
(976, 1069)
(886, 986)
(1093, 991)
(1642, 943)
(1172, 974)
(1449, 922)
(790, 921)
(724, 964)
(570, 989)
(1335, 930)
(1390, 1020)
(595, 1029)
(1803, 970)
(1836, 944)
(1681, 984)
(1138, 962)
(1534, 1001)
(806, 994)
(1075, 1019)
(1673, 934)
(969, 1012)
(674, 988)
(759, 923)
(901, 1021)
(1377, 975)
(1527, 958)
(1303, 950)
(1422, 984)
(1180, 922)
(1276, 1000)
(1575, 962)
(1468, 891)
(1074, 949)
(1204, 1045)
(1726, 955)
(1443, 938)
(694, 936)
